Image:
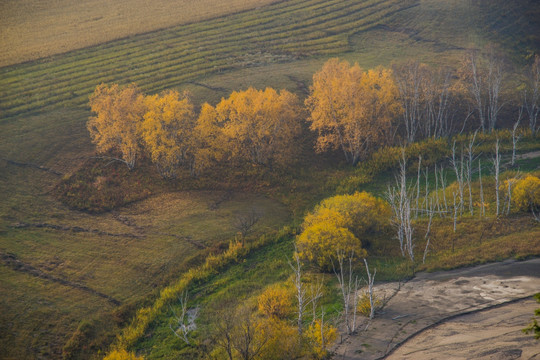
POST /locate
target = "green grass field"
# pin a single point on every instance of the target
(129, 254)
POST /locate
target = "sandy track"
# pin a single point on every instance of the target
(432, 298)
(489, 334)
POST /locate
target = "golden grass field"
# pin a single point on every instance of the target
(32, 29)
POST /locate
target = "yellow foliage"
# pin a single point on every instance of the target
(209, 138)
(320, 242)
(259, 126)
(122, 355)
(352, 110)
(119, 112)
(275, 301)
(282, 340)
(167, 131)
(364, 305)
(321, 340)
(526, 193)
(341, 223)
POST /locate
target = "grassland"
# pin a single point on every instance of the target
(35, 29)
(372, 31)
(159, 60)
(476, 241)
(131, 253)
(125, 255)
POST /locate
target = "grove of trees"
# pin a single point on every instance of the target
(253, 126)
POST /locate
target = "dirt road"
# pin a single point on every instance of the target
(407, 326)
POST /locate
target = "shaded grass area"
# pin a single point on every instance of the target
(40, 316)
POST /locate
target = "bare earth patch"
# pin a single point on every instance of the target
(32, 29)
(435, 298)
(489, 334)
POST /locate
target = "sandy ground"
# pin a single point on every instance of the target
(431, 298)
(31, 29)
(488, 334)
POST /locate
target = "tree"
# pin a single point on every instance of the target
(122, 354)
(208, 138)
(352, 110)
(531, 95)
(483, 77)
(321, 335)
(275, 301)
(119, 113)
(301, 292)
(260, 126)
(341, 223)
(319, 242)
(167, 131)
(409, 78)
(244, 223)
(399, 198)
(185, 322)
(348, 285)
(239, 332)
(526, 195)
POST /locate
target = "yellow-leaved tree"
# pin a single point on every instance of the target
(209, 138)
(526, 195)
(321, 336)
(352, 110)
(260, 126)
(167, 131)
(275, 301)
(119, 111)
(342, 223)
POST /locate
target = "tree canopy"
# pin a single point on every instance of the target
(352, 110)
(167, 131)
(119, 113)
(341, 223)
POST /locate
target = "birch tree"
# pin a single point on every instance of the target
(515, 135)
(399, 199)
(483, 76)
(348, 285)
(185, 322)
(469, 168)
(119, 112)
(409, 79)
(531, 95)
(371, 281)
(301, 292)
(497, 167)
(167, 131)
(352, 110)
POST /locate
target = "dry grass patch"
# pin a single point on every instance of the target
(33, 29)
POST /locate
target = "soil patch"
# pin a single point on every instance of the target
(433, 298)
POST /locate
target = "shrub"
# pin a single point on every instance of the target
(275, 301)
(341, 223)
(320, 340)
(364, 305)
(526, 193)
(122, 355)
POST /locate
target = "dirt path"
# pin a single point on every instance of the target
(433, 298)
(11, 261)
(488, 334)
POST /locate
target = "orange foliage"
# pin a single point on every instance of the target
(119, 113)
(275, 301)
(167, 131)
(352, 110)
(260, 126)
(341, 223)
